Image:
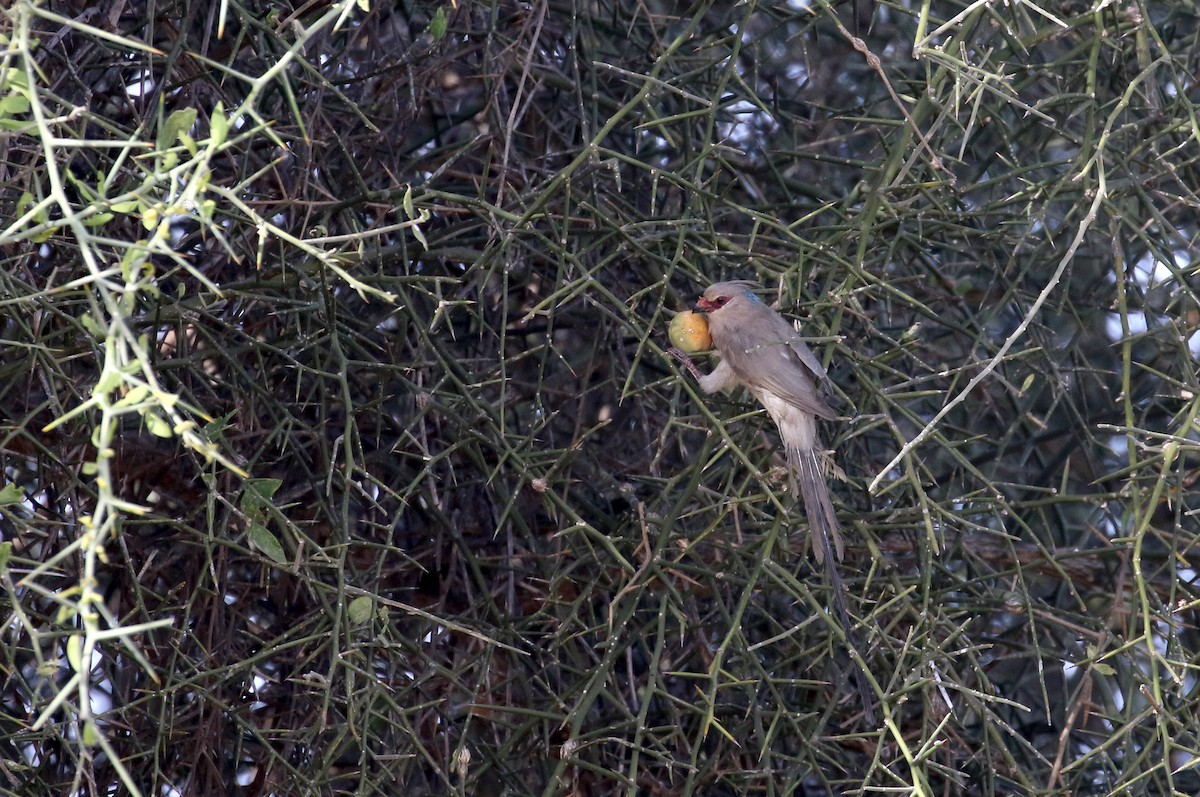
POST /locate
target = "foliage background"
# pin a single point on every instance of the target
(342, 457)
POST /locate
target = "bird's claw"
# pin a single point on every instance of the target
(679, 354)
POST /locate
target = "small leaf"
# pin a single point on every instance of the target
(11, 494)
(177, 124)
(215, 428)
(14, 126)
(360, 609)
(5, 554)
(13, 79)
(266, 542)
(13, 104)
(407, 202)
(157, 426)
(257, 494)
(266, 488)
(219, 125)
(93, 326)
(75, 652)
(91, 734)
(136, 395)
(437, 25)
(65, 614)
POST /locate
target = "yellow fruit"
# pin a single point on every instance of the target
(689, 332)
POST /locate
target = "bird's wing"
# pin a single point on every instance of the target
(769, 353)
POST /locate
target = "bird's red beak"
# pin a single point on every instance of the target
(704, 305)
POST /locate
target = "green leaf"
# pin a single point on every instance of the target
(214, 429)
(13, 104)
(75, 652)
(360, 609)
(13, 79)
(265, 488)
(157, 425)
(177, 123)
(266, 542)
(93, 326)
(136, 395)
(5, 554)
(437, 25)
(407, 203)
(219, 125)
(14, 126)
(257, 494)
(91, 734)
(11, 494)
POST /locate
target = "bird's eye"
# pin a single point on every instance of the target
(720, 301)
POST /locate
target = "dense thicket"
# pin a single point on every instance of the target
(342, 455)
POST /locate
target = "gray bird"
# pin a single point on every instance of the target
(764, 353)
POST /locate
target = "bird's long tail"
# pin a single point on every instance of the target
(808, 479)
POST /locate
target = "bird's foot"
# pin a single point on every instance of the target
(678, 354)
